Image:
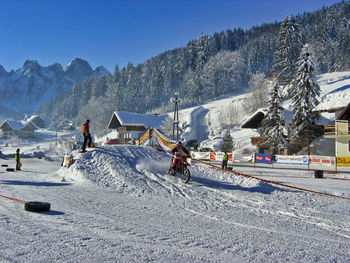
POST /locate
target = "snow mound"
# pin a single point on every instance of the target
(141, 169)
(120, 167)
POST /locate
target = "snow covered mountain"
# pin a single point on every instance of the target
(32, 85)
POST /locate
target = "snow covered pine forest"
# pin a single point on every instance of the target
(116, 203)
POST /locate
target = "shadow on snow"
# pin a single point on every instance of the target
(16, 182)
(265, 188)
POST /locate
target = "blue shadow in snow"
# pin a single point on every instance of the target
(264, 188)
(340, 89)
(54, 213)
(15, 182)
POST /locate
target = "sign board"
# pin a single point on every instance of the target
(292, 159)
(343, 161)
(327, 161)
(201, 155)
(263, 158)
(218, 156)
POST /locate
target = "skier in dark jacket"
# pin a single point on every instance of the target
(87, 136)
(17, 158)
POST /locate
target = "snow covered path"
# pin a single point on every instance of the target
(117, 205)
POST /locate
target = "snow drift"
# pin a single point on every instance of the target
(142, 169)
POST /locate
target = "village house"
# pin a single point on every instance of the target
(130, 125)
(37, 121)
(254, 121)
(15, 128)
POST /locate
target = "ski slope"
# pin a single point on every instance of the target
(117, 204)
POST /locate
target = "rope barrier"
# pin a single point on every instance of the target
(273, 182)
(303, 177)
(12, 198)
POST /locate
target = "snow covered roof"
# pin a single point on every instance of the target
(254, 120)
(14, 125)
(33, 118)
(345, 114)
(18, 126)
(122, 118)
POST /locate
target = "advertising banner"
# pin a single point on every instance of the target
(201, 155)
(292, 159)
(213, 156)
(327, 161)
(343, 161)
(263, 158)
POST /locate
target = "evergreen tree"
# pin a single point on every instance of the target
(305, 99)
(227, 145)
(274, 125)
(287, 52)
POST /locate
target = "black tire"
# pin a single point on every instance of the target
(185, 175)
(37, 206)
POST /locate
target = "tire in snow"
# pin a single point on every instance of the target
(37, 206)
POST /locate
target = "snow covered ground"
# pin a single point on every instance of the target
(117, 204)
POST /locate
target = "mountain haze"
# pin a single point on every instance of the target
(32, 85)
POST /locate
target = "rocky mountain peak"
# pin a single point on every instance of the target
(78, 70)
(31, 66)
(3, 72)
(101, 71)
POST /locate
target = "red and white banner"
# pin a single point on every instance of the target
(325, 161)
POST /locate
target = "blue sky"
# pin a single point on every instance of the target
(107, 32)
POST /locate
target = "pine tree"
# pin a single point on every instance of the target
(287, 52)
(227, 145)
(274, 125)
(305, 99)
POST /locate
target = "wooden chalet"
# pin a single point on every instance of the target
(37, 121)
(255, 122)
(15, 128)
(130, 125)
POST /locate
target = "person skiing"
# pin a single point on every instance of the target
(224, 161)
(17, 158)
(180, 153)
(87, 136)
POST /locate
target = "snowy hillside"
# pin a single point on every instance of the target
(203, 122)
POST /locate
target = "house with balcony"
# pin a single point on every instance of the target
(131, 125)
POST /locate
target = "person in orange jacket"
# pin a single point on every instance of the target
(87, 136)
(180, 153)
